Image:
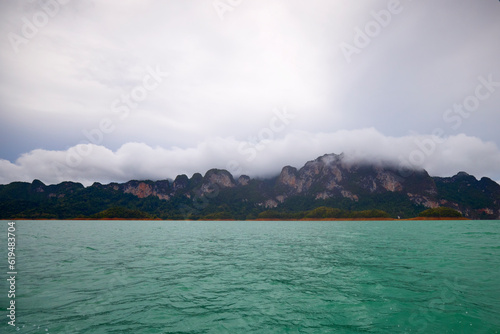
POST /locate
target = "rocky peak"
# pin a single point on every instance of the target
(243, 180)
(220, 177)
(64, 187)
(196, 179)
(288, 176)
(38, 186)
(463, 176)
(325, 164)
(323, 173)
(331, 158)
(489, 184)
(181, 182)
(332, 176)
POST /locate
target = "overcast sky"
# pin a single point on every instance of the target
(118, 90)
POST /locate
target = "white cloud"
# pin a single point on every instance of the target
(89, 163)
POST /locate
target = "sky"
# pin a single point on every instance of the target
(109, 91)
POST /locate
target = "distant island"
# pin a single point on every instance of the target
(327, 188)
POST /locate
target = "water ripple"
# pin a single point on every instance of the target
(258, 277)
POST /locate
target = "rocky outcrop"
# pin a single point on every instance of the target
(424, 201)
(180, 182)
(215, 179)
(220, 177)
(270, 203)
(243, 180)
(160, 189)
(288, 178)
(389, 181)
(330, 176)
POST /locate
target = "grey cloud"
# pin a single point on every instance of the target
(89, 163)
(226, 77)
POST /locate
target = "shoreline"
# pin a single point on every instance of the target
(263, 219)
(363, 219)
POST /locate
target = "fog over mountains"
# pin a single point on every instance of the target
(256, 157)
(330, 180)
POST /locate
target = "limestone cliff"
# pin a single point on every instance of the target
(142, 189)
(330, 176)
(330, 180)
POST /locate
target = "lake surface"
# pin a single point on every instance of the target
(254, 277)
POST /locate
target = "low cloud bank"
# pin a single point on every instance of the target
(88, 163)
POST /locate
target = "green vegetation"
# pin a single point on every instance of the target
(270, 214)
(392, 203)
(72, 200)
(468, 192)
(324, 212)
(123, 213)
(440, 212)
(218, 216)
(369, 214)
(69, 200)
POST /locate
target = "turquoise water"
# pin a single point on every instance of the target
(254, 277)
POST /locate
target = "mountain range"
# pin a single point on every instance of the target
(330, 180)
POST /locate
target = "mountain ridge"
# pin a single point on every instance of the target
(329, 180)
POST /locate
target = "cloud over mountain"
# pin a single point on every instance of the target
(87, 163)
(198, 86)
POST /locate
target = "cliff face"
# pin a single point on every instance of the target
(328, 180)
(330, 176)
(217, 178)
(141, 189)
